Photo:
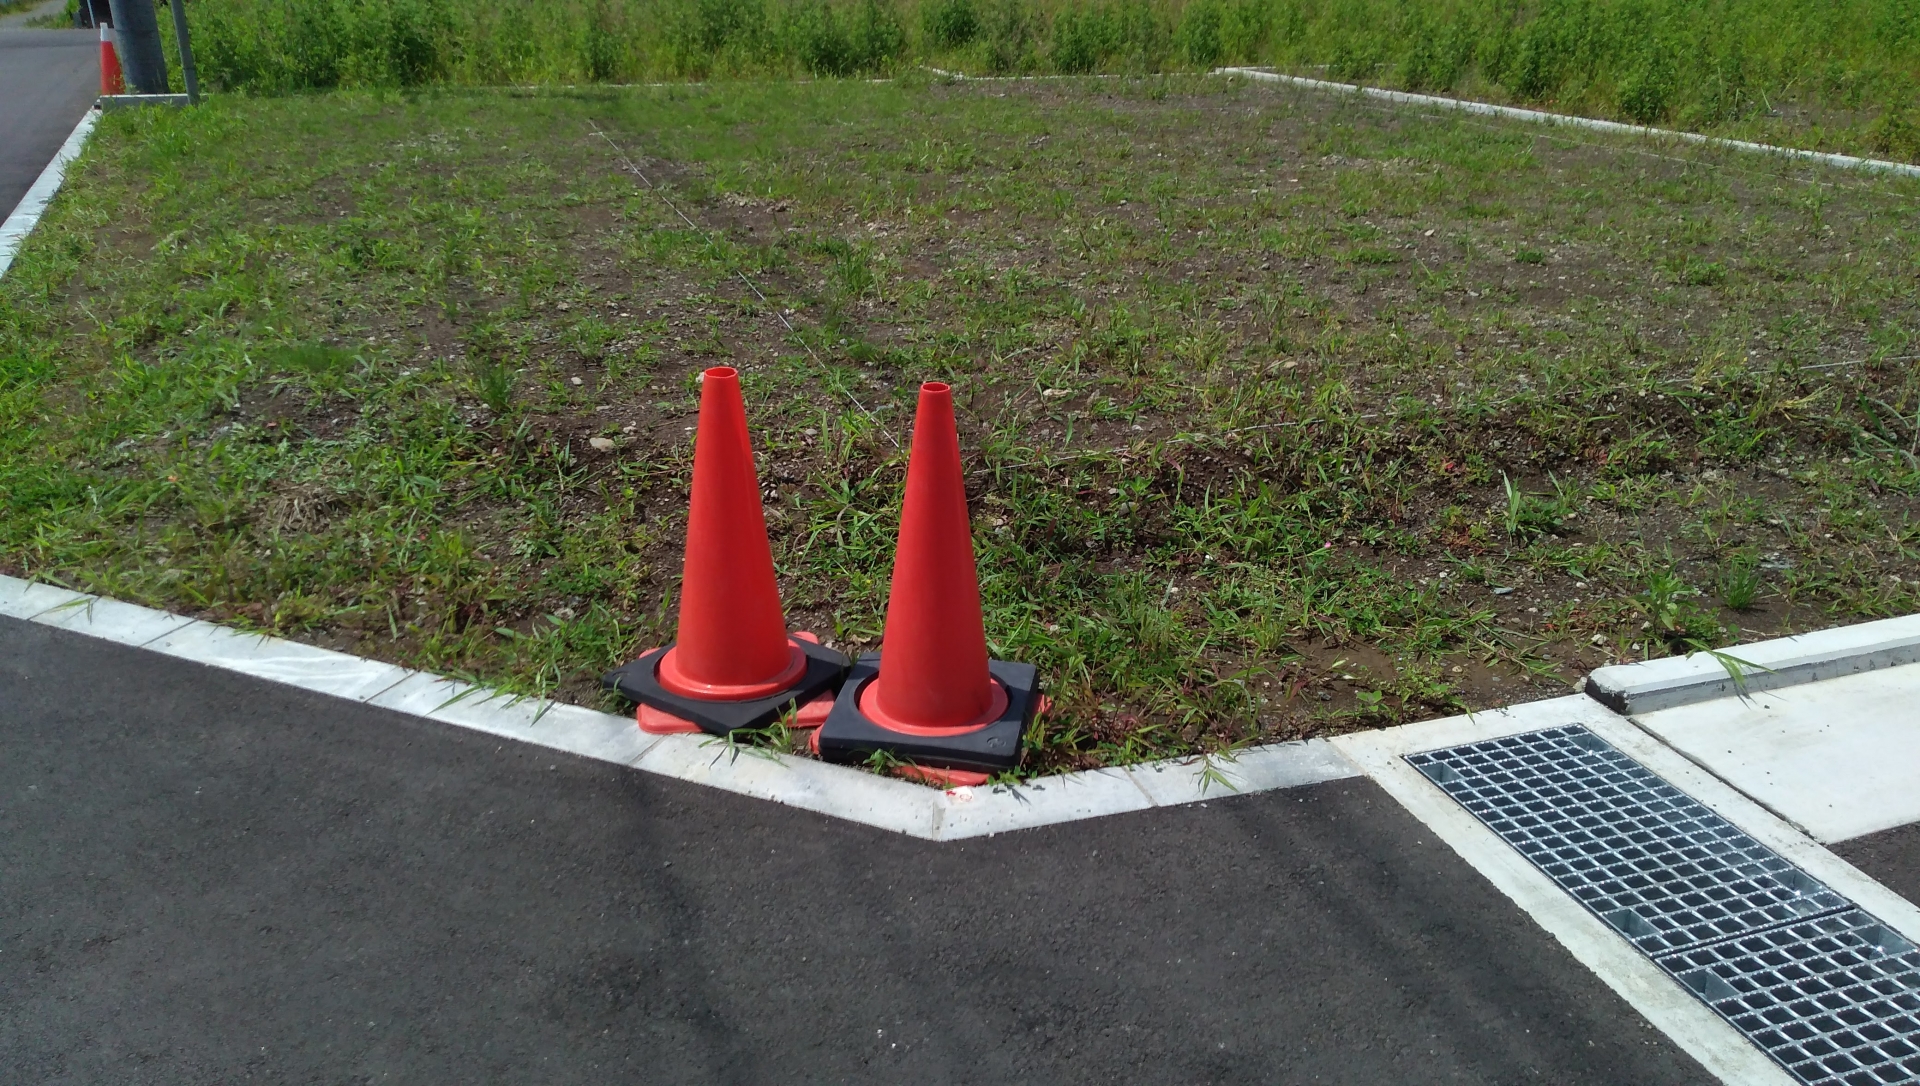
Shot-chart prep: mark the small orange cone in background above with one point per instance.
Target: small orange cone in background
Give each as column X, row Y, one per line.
column 732, row 665
column 931, row 698
column 112, row 81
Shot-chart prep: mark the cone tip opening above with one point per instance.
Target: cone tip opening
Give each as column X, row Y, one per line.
column 935, row 387
column 720, row 372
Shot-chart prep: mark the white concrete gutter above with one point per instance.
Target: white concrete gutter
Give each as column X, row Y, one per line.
column 839, row 791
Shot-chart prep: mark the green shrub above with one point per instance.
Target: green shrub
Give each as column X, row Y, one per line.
column 1646, row 94
column 950, row 24
column 1198, row 35
column 1701, row 63
column 1895, row 135
column 1010, row 34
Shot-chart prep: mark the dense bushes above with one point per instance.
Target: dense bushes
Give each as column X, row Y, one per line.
column 1697, row 62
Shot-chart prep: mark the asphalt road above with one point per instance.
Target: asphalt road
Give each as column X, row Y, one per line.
column 210, row 878
column 48, row 79
column 1892, row 857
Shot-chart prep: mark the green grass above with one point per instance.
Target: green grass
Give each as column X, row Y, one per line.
column 1843, row 75
column 1269, row 431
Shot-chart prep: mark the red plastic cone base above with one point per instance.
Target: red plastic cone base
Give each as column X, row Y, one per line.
column 851, row 737
column 678, row 681
column 933, row 652
column 809, row 714
column 732, row 639
column 660, row 722
column 814, row 713
column 874, row 706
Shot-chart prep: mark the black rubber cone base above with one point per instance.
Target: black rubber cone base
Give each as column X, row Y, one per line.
column 638, row 683
column 850, row 737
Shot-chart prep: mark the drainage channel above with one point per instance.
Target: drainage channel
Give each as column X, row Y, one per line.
column 1824, row 988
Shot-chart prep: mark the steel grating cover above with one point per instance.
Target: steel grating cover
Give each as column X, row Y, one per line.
column 1828, row 991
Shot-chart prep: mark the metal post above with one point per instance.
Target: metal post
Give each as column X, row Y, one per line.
column 186, row 51
column 138, row 33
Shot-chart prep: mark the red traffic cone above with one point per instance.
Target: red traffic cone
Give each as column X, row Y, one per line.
column 931, row 697
column 732, row 665
column 112, row 81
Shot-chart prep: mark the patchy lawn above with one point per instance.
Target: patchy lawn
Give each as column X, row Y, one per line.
column 1286, row 415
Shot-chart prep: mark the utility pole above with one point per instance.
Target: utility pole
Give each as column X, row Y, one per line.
column 138, row 31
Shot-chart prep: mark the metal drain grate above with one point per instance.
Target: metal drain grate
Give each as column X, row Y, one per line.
column 1834, row 999
column 1822, row 987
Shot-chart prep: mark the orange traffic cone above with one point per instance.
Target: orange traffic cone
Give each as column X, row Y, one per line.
column 732, row 665
column 112, row 81
column 931, row 697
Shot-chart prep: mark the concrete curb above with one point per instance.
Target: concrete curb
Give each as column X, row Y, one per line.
column 1513, row 113
column 13, row 232
column 857, row 796
column 1764, row 665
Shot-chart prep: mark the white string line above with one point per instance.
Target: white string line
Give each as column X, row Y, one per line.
column 1615, row 149
column 1849, row 162
column 1454, row 108
column 776, row 310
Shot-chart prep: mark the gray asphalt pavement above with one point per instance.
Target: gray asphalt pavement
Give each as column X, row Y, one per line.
column 209, row 878
column 48, row 79
column 1892, row 857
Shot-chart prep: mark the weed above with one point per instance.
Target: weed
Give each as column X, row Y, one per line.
column 1740, row 584
column 1737, row 669
column 771, row 741
column 493, row 380
column 1527, row 516
column 1667, row 603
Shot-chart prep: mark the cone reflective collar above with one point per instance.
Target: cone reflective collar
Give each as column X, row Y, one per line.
column 931, row 697
column 732, row 665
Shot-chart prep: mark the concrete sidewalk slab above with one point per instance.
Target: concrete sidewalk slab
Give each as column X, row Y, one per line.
column 219, row 878
column 1839, row 758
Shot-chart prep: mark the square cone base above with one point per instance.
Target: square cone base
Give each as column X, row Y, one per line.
column 850, row 737
column 637, row 683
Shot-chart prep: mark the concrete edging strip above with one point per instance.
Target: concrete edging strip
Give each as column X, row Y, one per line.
column 839, row 791
column 13, row 232
column 1764, row 665
column 1514, row 113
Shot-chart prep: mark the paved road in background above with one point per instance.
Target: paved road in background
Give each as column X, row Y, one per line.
column 209, row 878
column 48, row 79
column 1890, row 856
